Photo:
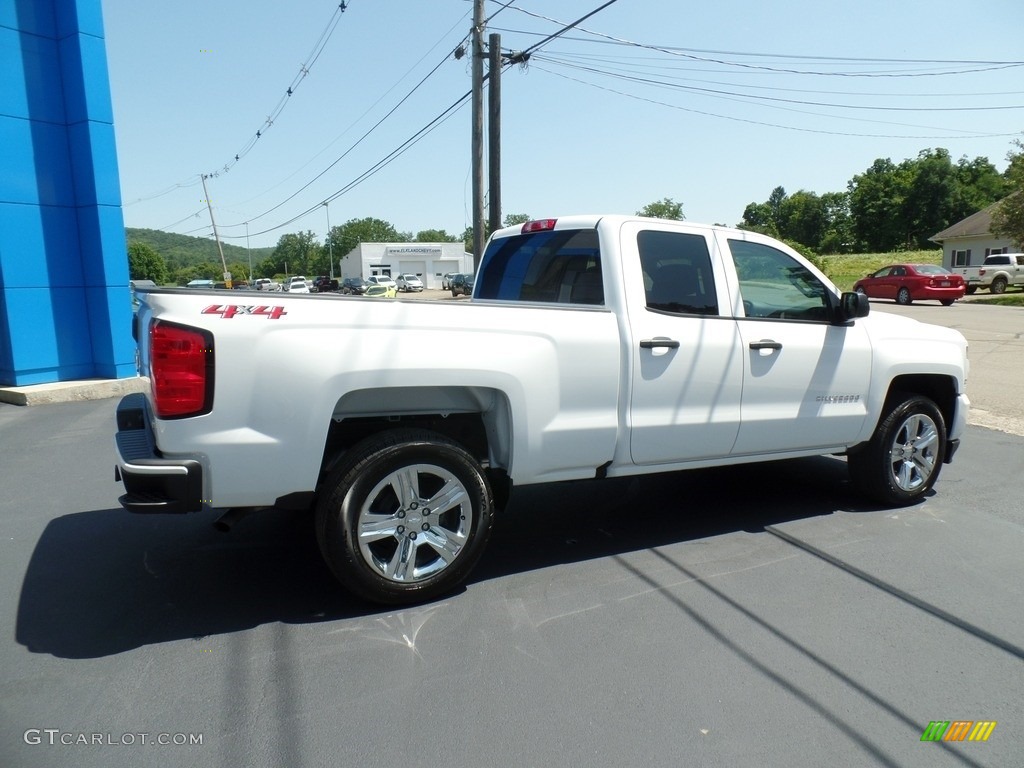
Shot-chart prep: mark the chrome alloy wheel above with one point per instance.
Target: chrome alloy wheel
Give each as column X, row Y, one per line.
column 414, row 522
column 914, row 452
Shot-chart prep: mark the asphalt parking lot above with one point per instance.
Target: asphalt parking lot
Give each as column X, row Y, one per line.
column 759, row 615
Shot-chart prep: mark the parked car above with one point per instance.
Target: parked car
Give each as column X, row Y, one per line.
column 446, row 281
column 408, row 282
column 265, row 284
column 381, row 291
column 206, row 284
column 462, row 284
column 324, row 284
column 297, row 284
column 354, row 285
column 382, row 280
column 905, row 283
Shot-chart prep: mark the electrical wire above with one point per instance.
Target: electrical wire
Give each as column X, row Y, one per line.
column 685, row 53
column 758, row 98
column 768, row 124
column 275, row 113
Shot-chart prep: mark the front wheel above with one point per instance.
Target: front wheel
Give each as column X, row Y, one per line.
column 903, row 297
column 405, row 517
column 902, row 460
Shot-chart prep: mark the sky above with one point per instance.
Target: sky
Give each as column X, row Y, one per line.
column 712, row 105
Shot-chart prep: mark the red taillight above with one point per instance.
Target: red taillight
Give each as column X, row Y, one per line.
column 540, row 225
column 181, row 370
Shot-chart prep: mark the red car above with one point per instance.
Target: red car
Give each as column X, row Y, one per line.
column 908, row 282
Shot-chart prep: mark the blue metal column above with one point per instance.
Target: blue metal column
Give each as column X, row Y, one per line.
column 64, row 305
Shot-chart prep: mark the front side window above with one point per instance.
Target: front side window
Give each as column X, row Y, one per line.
column 677, row 273
column 775, row 285
column 559, row 267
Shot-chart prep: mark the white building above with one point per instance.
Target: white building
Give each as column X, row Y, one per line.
column 428, row 261
column 970, row 241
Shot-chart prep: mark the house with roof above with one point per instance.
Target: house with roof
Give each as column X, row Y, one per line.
column 970, row 240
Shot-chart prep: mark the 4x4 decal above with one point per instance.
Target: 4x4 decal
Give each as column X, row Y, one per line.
column 227, row 311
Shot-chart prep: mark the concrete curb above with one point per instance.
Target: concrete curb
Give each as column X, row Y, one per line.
column 72, row 391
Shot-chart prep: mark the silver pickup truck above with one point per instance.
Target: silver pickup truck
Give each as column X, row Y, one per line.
column 998, row 272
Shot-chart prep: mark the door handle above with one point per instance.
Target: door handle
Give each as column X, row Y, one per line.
column 765, row 344
column 659, row 342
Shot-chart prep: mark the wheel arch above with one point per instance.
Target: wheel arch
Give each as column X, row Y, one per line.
column 477, row 418
column 942, row 390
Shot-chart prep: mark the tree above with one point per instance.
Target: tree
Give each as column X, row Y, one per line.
column 238, row 270
column 838, row 234
column 758, row 217
column 666, row 208
column 203, row 271
column 1008, row 219
column 144, row 263
column 300, row 251
column 513, row 219
column 347, row 236
column 876, row 206
column 801, row 217
column 434, row 236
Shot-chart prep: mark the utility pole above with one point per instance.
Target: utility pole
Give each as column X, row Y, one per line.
column 227, row 275
column 330, row 241
column 247, row 251
column 494, row 129
column 478, row 132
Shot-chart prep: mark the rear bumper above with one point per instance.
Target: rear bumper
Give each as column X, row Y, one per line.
column 939, row 294
column 152, row 483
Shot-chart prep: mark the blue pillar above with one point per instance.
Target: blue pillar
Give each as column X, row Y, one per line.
column 65, row 311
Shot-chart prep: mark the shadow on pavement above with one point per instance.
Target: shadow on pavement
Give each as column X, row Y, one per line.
column 104, row 582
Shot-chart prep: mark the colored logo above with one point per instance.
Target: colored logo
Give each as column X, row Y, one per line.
column 958, row 730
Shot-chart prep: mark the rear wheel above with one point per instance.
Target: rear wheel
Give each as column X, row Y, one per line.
column 971, row 289
column 405, row 517
column 998, row 285
column 902, row 460
column 947, row 302
column 903, row 297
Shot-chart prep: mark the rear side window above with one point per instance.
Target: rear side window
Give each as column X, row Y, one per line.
column 677, row 273
column 557, row 267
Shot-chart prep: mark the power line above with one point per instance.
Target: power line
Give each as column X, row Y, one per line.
column 275, row 113
column 803, row 102
column 376, row 167
column 685, row 53
column 767, row 124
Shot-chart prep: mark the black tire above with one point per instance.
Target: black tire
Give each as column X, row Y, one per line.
column 902, row 460
column 947, row 302
column 998, row 285
column 903, row 296
column 971, row 289
column 400, row 565
column 454, row 294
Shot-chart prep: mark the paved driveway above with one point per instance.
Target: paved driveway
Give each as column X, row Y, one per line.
column 996, row 338
column 760, row 615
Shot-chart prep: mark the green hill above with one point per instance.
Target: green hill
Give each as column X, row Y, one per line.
column 186, row 251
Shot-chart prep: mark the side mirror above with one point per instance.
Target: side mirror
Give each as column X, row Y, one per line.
column 853, row 305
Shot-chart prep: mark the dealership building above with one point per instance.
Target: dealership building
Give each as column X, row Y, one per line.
column 428, row 261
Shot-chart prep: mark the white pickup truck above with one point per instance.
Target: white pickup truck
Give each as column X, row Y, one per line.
column 996, row 273
column 593, row 346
